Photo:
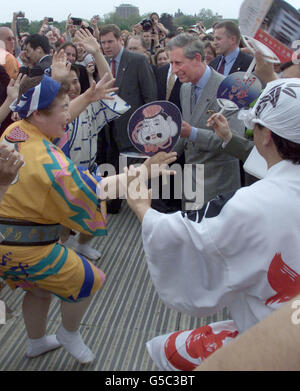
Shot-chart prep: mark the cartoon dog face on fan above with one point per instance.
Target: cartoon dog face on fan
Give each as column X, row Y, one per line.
column 156, row 130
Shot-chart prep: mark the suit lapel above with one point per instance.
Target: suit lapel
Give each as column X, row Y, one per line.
column 122, row 68
column 236, row 67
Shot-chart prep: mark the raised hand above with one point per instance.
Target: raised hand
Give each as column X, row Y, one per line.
column 264, row 69
column 87, row 40
column 90, row 68
column 60, row 68
column 220, row 125
column 14, row 86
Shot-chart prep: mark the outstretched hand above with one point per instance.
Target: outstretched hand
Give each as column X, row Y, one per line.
column 101, row 90
column 158, row 164
column 138, row 195
column 14, row 86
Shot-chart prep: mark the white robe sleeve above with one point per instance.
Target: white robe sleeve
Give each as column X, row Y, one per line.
column 189, row 273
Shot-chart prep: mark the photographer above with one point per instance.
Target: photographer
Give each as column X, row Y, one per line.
column 158, row 27
column 71, row 29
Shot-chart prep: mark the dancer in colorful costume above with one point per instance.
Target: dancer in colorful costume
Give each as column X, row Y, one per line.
column 48, row 192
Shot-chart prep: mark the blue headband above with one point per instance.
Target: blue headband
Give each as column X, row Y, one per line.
column 37, row 98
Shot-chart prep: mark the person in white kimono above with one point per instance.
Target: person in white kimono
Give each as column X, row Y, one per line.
column 241, row 250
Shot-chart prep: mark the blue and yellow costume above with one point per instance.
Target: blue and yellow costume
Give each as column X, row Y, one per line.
column 49, row 191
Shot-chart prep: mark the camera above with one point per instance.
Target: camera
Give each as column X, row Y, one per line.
column 91, row 30
column 21, row 14
column 76, row 21
column 50, row 20
column 147, row 24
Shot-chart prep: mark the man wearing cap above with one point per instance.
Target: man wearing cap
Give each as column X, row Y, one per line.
column 241, row 250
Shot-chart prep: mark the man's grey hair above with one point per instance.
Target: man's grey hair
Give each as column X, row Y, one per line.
column 190, row 44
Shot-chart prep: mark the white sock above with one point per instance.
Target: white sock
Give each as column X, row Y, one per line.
column 74, row 344
column 35, row 347
column 87, row 251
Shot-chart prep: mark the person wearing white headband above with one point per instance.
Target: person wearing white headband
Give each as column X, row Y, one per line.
column 237, row 146
column 241, row 251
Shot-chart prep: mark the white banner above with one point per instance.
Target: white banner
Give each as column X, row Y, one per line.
column 252, row 14
column 275, row 23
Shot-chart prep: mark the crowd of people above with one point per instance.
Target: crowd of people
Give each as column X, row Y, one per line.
column 66, row 99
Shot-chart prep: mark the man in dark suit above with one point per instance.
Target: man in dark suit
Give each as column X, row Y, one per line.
column 37, row 54
column 230, row 58
column 137, row 86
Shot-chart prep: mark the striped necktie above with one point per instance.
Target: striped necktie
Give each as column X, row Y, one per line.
column 222, row 66
column 113, row 67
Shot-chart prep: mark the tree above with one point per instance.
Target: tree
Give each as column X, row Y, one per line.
column 207, row 17
column 123, row 24
column 167, row 21
column 184, row 21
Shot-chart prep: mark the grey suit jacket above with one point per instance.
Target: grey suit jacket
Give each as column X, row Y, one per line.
column 221, row 171
column 137, row 86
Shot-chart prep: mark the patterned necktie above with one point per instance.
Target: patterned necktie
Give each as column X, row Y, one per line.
column 193, row 97
column 113, row 67
column 222, row 66
column 170, row 85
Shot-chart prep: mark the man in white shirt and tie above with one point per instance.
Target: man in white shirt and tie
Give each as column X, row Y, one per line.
column 230, row 58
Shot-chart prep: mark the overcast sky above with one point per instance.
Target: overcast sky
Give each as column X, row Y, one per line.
column 59, row 9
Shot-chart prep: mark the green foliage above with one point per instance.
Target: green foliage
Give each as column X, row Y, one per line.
column 124, row 24
column 168, row 21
